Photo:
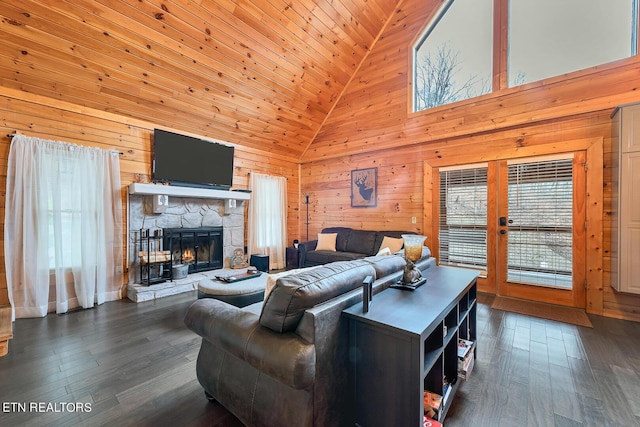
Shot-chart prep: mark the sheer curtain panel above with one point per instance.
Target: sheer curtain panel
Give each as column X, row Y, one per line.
column 63, row 222
column 268, row 218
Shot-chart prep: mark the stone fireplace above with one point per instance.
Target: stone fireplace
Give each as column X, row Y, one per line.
column 193, row 218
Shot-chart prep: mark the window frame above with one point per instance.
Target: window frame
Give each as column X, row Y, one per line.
column 500, row 72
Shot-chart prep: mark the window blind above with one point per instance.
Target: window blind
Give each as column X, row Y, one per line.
column 463, row 217
column 540, row 222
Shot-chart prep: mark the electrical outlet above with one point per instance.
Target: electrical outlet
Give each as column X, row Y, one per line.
column 414, row 220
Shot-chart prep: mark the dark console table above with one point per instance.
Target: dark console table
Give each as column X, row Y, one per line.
column 407, row 343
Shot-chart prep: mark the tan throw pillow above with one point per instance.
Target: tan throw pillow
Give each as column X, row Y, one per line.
column 327, row 242
column 273, row 278
column 393, row 243
column 383, row 251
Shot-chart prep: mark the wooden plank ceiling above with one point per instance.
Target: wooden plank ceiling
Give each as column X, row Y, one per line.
column 260, row 73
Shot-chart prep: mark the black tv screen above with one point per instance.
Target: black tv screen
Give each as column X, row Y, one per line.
column 184, row 160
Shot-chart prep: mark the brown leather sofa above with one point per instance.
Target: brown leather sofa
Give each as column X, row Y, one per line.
column 350, row 245
column 284, row 361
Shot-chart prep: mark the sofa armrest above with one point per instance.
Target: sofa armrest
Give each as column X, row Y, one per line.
column 303, row 248
column 285, row 357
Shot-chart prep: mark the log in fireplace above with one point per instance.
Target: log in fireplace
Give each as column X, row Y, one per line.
column 201, row 248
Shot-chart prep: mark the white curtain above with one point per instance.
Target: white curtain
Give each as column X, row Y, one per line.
column 268, row 218
column 63, row 222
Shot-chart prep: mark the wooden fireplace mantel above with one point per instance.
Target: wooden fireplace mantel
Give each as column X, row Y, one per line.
column 176, row 191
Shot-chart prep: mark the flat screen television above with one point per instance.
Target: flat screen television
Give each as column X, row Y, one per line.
column 187, row 161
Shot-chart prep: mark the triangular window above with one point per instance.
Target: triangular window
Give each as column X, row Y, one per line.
column 453, row 58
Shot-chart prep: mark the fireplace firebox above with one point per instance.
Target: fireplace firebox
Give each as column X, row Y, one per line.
column 201, row 248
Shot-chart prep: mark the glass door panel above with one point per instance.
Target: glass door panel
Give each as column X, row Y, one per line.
column 541, row 207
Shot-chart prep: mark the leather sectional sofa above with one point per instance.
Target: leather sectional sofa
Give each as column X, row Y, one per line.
column 285, row 361
column 350, row 244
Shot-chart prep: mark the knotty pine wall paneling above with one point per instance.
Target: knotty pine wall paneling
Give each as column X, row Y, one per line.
column 372, row 122
column 399, row 193
column 50, row 119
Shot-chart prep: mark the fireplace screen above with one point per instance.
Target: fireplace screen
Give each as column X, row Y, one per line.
column 200, row 248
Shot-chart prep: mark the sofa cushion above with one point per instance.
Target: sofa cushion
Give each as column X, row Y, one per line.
column 343, row 236
column 325, row 257
column 292, row 295
column 362, row 241
column 385, row 264
column 326, row 242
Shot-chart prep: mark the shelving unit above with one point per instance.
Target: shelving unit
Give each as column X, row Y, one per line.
column 155, row 263
column 407, row 343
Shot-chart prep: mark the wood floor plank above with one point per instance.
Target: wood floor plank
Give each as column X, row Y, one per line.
column 135, row 365
column 629, row 383
column 583, row 379
column 540, row 405
column 565, row 400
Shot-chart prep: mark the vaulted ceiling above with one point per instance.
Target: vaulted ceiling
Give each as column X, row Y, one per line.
column 261, row 73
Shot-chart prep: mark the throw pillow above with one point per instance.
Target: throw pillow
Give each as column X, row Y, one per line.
column 393, row 243
column 273, row 278
column 327, row 242
column 383, row 251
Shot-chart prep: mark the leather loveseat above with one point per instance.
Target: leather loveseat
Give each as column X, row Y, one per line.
column 350, row 244
column 285, row 361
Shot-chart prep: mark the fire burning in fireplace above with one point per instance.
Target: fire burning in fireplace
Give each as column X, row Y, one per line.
column 187, row 256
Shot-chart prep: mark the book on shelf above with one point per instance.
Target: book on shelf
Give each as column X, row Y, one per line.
column 466, row 358
column 466, row 369
column 432, row 404
column 464, row 347
column 430, row 422
column 446, row 390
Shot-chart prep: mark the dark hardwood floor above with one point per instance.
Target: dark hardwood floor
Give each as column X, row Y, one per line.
column 135, row 365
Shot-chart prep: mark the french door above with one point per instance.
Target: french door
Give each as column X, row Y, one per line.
column 521, row 223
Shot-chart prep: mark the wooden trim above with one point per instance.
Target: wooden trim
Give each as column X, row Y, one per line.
column 579, row 245
column 594, row 232
column 500, row 45
column 428, row 219
column 435, row 209
column 493, row 212
column 6, row 329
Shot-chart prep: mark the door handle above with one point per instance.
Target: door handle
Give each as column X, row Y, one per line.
column 503, row 231
column 503, row 221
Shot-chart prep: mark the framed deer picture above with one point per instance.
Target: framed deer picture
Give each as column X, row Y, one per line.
column 364, row 188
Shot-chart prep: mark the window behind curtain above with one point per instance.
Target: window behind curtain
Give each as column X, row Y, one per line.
column 268, row 218
column 64, row 211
